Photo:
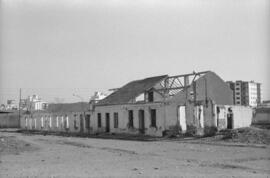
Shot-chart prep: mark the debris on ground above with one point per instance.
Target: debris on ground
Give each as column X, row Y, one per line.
column 248, row 135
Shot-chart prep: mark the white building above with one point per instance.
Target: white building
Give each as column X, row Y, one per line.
column 96, row 98
column 11, row 105
column 36, row 103
column 247, row 93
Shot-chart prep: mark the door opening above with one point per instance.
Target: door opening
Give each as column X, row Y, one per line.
column 230, row 119
column 182, row 118
column 107, row 122
column 141, row 121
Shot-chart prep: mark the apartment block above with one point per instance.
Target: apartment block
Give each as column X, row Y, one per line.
column 246, row 93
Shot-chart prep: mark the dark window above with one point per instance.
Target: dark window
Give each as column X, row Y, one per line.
column 151, row 96
column 238, row 102
column 87, row 121
column 115, row 116
column 107, row 122
column 238, row 98
column 99, row 119
column 130, row 118
column 153, row 118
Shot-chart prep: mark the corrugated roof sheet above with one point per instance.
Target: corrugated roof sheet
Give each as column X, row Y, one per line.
column 131, row 90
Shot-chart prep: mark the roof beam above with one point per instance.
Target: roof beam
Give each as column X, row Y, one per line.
column 171, row 88
column 190, row 74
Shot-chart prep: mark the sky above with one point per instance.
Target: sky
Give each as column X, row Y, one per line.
column 60, row 48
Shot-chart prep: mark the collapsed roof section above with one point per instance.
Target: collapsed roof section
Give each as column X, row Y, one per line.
column 166, row 86
column 174, row 84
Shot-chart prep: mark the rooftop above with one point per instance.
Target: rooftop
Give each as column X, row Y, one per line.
column 131, row 90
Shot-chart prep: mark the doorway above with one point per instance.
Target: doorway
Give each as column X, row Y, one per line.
column 107, row 122
column 141, row 122
column 230, row 119
column 182, row 118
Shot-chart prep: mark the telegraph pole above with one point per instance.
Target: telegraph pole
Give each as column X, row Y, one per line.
column 20, row 106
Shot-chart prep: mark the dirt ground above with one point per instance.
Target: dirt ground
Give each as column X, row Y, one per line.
column 26, row 155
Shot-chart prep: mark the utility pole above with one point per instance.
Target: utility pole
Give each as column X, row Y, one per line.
column 20, row 107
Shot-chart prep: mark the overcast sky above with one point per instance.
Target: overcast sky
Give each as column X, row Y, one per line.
column 57, row 48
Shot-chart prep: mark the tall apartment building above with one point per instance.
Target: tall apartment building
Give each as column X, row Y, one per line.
column 247, row 93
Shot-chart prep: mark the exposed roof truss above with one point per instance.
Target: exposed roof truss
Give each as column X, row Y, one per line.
column 174, row 84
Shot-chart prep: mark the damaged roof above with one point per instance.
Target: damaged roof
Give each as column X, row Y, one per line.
column 131, row 90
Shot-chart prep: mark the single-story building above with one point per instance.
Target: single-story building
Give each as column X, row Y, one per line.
column 156, row 105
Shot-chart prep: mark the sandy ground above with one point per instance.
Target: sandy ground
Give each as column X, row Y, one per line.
column 25, row 155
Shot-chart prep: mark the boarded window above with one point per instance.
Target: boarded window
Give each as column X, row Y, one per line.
column 115, row 116
column 75, row 122
column 153, row 118
column 66, row 122
column 62, row 122
column 99, row 119
column 130, row 118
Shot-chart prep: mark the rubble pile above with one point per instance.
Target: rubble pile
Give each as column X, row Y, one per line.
column 251, row 135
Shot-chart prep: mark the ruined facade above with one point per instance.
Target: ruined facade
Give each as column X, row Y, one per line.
column 156, row 105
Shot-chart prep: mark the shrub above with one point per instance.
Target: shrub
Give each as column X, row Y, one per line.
column 191, row 130
column 210, row 131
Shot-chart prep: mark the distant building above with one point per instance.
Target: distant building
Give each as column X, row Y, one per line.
column 246, row 93
column 23, row 104
column 11, row 105
column 2, row 107
column 96, row 98
column 35, row 103
column 265, row 104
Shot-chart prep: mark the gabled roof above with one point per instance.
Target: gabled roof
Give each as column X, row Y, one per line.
column 131, row 90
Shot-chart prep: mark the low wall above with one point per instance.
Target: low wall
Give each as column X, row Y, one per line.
column 56, row 122
column 9, row 120
column 242, row 116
